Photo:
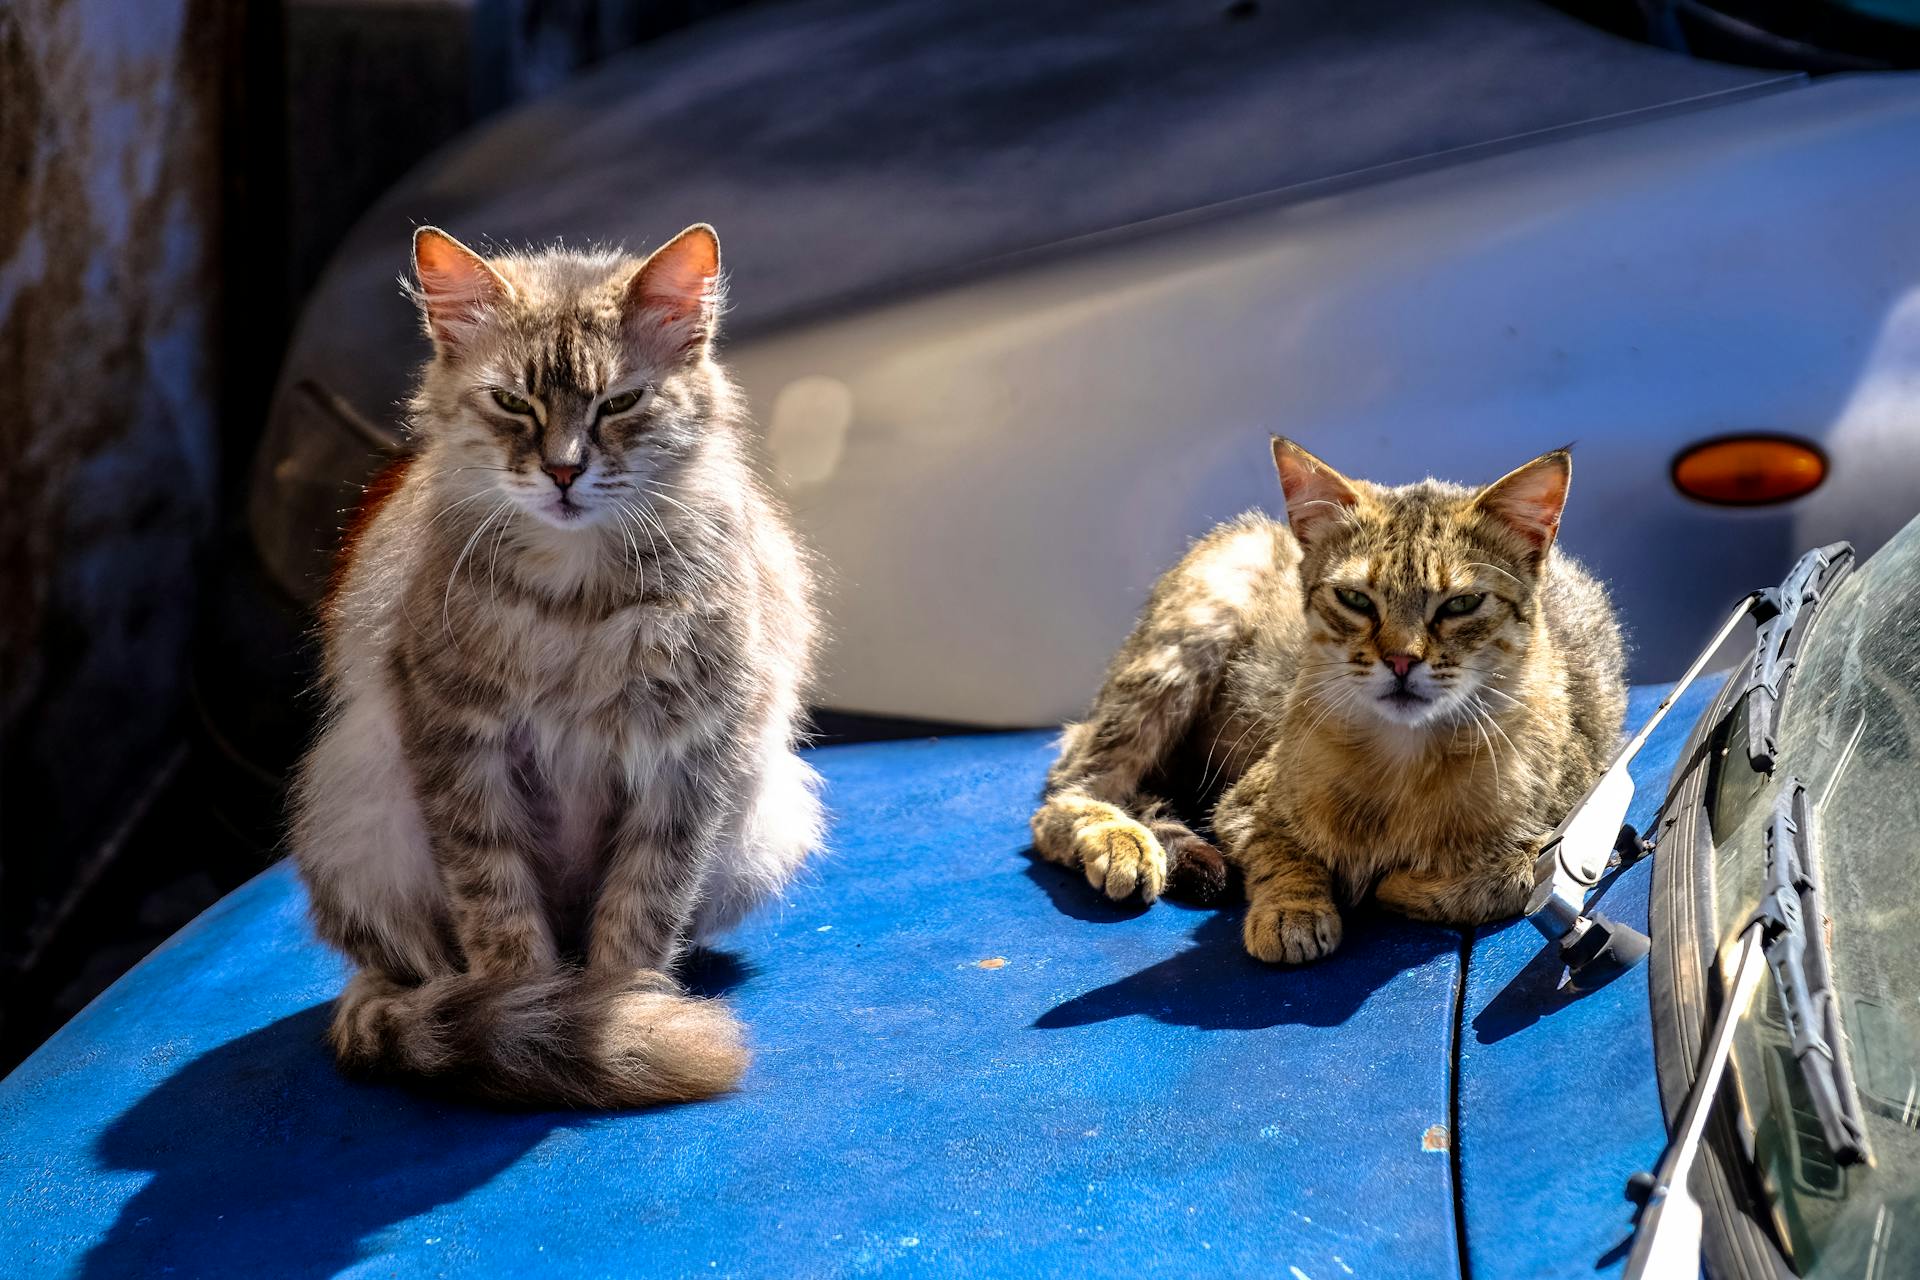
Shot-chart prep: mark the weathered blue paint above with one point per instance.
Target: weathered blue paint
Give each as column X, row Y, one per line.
column 1558, row 1102
column 1127, row 1095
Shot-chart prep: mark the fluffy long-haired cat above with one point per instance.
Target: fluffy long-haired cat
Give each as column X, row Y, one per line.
column 1404, row 691
column 564, row 658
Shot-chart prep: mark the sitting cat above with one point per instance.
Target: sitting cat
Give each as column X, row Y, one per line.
column 565, row 652
column 1404, row 690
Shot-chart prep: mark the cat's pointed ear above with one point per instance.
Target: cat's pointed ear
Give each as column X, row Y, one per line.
column 1528, row 500
column 457, row 287
column 673, row 300
column 1316, row 493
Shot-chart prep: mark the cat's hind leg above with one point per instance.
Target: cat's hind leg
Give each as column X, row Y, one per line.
column 1142, row 847
column 777, row 831
column 1159, row 689
column 1117, row 854
column 362, row 845
column 1196, row 870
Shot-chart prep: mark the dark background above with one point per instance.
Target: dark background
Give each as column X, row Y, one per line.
column 173, row 177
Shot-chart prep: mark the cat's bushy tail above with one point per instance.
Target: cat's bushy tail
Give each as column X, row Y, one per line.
column 569, row 1041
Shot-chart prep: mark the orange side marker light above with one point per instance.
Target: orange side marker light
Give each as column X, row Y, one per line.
column 1749, row 470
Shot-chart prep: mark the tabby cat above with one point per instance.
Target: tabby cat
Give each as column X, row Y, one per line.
column 1403, row 690
column 564, row 659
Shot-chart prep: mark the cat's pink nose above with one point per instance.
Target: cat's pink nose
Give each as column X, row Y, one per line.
column 562, row 475
column 1400, row 662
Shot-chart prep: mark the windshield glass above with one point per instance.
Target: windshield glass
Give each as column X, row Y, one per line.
column 1850, row 731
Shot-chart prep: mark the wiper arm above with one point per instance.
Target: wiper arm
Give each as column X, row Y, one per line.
column 1776, row 937
column 1576, row 855
column 1666, row 1243
column 1793, row 924
column 1579, row 851
column 1785, row 614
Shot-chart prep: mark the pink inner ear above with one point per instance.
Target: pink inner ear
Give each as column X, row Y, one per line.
column 675, row 286
column 1314, row 493
column 455, row 282
column 1530, row 501
column 678, row 286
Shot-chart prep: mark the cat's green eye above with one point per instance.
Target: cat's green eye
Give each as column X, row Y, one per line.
column 1460, row 606
column 1354, row 600
column 625, row 402
column 511, row 402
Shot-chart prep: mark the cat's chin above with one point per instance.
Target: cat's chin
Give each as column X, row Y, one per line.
column 1408, row 710
column 559, row 513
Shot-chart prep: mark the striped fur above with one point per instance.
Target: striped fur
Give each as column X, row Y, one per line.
column 1261, row 678
column 565, row 657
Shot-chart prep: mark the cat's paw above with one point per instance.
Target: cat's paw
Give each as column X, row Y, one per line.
column 1196, row 871
column 1121, row 858
column 1293, row 934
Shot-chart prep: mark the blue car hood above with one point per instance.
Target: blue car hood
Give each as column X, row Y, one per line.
column 966, row 1065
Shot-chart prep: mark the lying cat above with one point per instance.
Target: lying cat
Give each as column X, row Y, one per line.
column 565, row 651
column 1404, row 690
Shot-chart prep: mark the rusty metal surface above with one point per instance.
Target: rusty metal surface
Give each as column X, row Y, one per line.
column 109, row 238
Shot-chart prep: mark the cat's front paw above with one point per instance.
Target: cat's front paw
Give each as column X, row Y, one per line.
column 1121, row 858
column 1291, row 934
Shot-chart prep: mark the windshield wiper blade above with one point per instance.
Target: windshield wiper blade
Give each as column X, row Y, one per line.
column 1793, row 921
column 1578, row 852
column 1785, row 614
column 1776, row 938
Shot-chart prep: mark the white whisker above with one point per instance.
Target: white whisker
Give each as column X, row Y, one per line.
column 1493, row 757
column 493, row 557
column 1481, row 564
column 446, row 602
column 453, row 506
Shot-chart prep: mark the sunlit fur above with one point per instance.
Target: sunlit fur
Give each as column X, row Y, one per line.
column 1433, row 792
column 566, row 340
column 561, row 719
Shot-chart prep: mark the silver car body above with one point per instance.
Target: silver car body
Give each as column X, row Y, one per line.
column 994, row 453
